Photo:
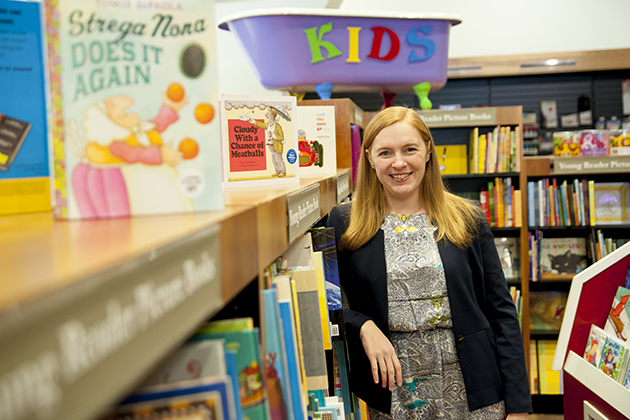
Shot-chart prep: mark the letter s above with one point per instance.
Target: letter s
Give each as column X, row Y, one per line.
column 414, row 39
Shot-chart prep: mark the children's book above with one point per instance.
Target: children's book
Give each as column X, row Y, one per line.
column 134, row 94
column 618, row 321
column 208, row 398
column 562, row 258
column 548, row 379
column 318, row 261
column 317, row 145
column 509, row 253
column 24, row 156
column 546, row 310
column 246, row 345
column 595, row 344
column 259, row 140
column 611, row 201
column 227, row 325
column 192, row 360
column 453, row 159
column 614, row 357
column 276, row 369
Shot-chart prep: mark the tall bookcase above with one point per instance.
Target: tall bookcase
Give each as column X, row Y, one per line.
column 88, row 308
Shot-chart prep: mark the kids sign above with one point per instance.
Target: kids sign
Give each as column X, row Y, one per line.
column 354, row 52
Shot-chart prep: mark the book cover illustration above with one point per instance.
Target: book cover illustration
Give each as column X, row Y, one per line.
column 509, row 254
column 453, row 159
column 316, row 140
column 562, row 258
column 209, row 398
column 594, row 346
column 24, row 155
column 613, row 357
column 625, row 382
column 546, row 309
column 611, row 202
column 134, row 92
column 259, row 140
column 594, row 142
column 618, row 320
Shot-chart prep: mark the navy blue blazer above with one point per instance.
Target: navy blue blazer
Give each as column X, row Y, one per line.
column 487, row 334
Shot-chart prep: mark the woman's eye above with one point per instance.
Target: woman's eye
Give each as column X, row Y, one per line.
column 383, row 153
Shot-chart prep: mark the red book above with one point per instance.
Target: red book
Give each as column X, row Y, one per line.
column 484, row 199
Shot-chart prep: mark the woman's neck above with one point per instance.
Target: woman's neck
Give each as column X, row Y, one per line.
column 414, row 207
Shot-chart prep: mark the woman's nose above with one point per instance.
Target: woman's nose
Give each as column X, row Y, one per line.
column 399, row 161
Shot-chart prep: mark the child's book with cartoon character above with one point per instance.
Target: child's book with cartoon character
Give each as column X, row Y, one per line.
column 562, row 258
column 316, row 140
column 134, row 94
column 595, row 344
column 614, row 358
column 618, row 321
column 24, row 157
column 259, row 140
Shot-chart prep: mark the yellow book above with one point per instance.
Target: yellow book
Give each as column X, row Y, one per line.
column 499, row 202
column 482, row 154
column 298, row 332
column 518, row 214
column 318, row 260
column 473, row 151
column 591, row 201
column 453, row 159
column 533, row 368
column 501, row 151
column 548, row 379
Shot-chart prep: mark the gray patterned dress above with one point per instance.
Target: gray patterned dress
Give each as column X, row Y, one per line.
column 421, row 328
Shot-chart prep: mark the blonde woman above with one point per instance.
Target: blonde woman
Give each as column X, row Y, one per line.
column 431, row 328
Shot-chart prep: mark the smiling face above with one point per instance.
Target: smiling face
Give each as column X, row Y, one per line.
column 399, row 156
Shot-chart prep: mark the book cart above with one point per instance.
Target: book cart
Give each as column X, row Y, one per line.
column 588, row 392
column 88, row 308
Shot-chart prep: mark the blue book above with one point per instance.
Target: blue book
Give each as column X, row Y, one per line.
column 276, row 370
column 232, row 371
column 531, row 216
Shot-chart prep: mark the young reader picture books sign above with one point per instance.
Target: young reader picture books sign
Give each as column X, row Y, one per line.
column 134, row 95
column 259, row 140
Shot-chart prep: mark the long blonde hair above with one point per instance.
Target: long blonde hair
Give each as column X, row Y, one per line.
column 456, row 218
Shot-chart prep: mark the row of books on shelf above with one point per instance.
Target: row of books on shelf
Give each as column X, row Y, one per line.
column 542, row 379
column 294, row 367
column 563, row 258
column 501, row 203
column 608, row 348
column 576, row 203
column 496, row 151
column 591, row 143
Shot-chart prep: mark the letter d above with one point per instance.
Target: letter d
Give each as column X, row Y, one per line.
column 78, row 55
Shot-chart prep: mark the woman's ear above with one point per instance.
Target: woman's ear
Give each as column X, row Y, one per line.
column 367, row 155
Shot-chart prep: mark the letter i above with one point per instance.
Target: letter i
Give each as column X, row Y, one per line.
column 353, row 44
column 144, row 53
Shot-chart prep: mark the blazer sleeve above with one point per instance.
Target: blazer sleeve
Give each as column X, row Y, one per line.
column 501, row 314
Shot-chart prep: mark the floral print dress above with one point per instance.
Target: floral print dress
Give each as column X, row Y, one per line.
column 421, row 328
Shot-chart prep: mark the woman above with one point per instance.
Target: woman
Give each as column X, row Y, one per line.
column 432, row 330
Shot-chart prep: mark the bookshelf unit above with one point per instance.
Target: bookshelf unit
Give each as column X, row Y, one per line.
column 543, row 167
column 142, row 284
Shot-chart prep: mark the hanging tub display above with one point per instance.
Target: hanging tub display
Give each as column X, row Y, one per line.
column 302, row 50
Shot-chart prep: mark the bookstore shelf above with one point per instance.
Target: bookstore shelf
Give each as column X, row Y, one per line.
column 87, row 308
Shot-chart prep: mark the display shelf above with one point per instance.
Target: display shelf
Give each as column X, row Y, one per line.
column 87, row 308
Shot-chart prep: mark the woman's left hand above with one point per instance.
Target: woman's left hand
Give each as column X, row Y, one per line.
column 517, row 416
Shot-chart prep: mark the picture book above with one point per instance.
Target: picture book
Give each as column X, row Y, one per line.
column 276, row 369
column 259, row 140
column 208, row 398
column 473, row 151
column 614, row 357
column 246, row 345
column 295, row 375
column 625, row 382
column 317, row 145
column 192, row 360
column 24, row 156
column 618, row 320
column 549, row 380
column 453, row 159
column 595, row 344
column 318, row 261
column 533, row 370
column 611, row 202
column 594, row 142
column 508, row 249
column 562, row 258
column 227, row 325
column 134, row 94
column 546, row 309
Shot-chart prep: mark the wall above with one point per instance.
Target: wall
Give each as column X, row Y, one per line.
column 489, row 27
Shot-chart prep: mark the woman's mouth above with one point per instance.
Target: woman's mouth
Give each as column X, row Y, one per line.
column 400, row 176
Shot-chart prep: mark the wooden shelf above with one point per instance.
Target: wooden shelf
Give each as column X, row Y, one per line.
column 536, row 64
column 87, row 308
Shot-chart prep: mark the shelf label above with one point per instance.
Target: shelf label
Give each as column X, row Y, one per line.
column 99, row 335
column 459, row 117
column 601, row 164
column 343, row 186
column 302, row 210
column 358, row 116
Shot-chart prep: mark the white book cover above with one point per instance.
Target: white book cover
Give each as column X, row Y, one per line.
column 316, row 140
column 259, row 140
column 134, row 94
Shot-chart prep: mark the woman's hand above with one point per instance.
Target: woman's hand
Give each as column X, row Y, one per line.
column 517, row 416
column 382, row 355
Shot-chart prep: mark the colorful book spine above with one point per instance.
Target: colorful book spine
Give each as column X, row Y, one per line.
column 591, row 200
